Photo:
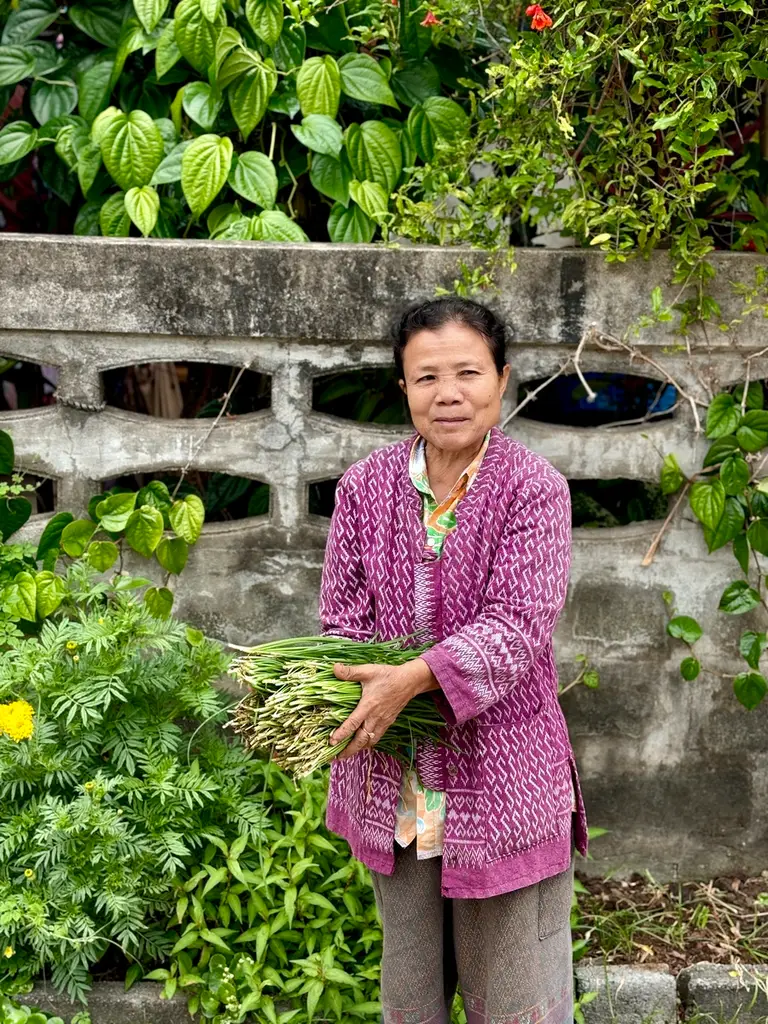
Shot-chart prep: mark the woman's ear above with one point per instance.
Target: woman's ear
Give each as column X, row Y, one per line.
column 402, row 386
column 504, row 379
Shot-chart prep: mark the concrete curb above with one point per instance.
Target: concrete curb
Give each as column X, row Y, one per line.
column 723, row 993
column 630, row 995
column 109, row 1003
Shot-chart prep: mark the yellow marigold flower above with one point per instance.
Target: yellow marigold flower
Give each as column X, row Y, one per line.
column 16, row 720
column 101, row 622
column 29, row 873
column 89, row 786
column 75, row 657
column 71, row 645
column 8, row 952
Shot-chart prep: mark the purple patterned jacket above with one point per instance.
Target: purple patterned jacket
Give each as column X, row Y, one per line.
column 490, row 603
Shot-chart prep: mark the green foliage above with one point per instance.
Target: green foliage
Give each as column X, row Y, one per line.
column 288, row 920
column 729, row 496
column 633, row 126
column 123, row 781
column 12, row 1013
column 150, row 114
column 136, row 519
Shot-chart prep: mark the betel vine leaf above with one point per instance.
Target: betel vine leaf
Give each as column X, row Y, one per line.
column 729, row 497
column 162, row 117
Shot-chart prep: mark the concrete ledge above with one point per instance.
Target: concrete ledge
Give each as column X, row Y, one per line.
column 727, row 992
column 724, row 993
column 627, row 995
column 109, row 1003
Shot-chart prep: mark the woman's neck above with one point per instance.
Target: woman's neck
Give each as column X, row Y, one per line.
column 444, row 467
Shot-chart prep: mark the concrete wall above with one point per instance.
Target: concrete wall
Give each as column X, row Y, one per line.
column 677, row 771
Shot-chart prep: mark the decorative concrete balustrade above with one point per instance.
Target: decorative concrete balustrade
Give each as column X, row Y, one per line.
column 677, row 771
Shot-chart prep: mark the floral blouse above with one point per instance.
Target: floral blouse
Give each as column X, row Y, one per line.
column 421, row 811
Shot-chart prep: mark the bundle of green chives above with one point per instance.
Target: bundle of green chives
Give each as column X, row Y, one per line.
column 295, row 701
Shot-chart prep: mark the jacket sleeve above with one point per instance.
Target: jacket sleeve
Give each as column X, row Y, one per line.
column 346, row 603
column 482, row 661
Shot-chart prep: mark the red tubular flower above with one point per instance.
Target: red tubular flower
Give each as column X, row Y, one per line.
column 430, row 19
column 539, row 17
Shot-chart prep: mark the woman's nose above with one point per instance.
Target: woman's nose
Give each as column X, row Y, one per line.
column 448, row 389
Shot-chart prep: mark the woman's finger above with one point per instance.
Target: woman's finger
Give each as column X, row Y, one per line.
column 348, row 727
column 358, row 673
column 362, row 740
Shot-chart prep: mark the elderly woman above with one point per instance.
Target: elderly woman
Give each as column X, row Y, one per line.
column 462, row 534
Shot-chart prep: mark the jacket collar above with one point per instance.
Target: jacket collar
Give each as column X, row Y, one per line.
column 481, row 486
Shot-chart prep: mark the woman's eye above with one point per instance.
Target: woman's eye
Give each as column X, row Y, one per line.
column 425, row 379
column 465, row 372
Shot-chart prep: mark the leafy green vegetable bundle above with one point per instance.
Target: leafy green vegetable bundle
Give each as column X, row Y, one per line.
column 295, row 701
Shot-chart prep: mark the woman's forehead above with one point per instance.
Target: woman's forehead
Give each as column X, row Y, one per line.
column 451, row 345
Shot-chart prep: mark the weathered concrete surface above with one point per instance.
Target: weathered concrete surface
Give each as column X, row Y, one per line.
column 627, row 995
column 109, row 1003
column 678, row 772
column 731, row 993
column 321, row 291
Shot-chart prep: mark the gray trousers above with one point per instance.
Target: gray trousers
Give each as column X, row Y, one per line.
column 511, row 954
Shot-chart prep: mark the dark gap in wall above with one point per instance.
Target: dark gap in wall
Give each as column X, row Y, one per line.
column 620, row 396
column 225, row 497
column 26, row 385
column 371, row 395
column 322, row 495
column 617, row 502
column 185, row 390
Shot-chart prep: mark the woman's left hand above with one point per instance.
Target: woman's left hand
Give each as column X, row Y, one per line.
column 386, row 691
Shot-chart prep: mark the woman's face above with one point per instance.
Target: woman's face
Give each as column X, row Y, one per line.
column 452, row 386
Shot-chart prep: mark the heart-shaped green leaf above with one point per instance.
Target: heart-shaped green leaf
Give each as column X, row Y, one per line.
column 50, row 538
column 132, row 147
column 436, row 119
column 14, row 512
column 202, row 103
column 113, row 217
column 319, row 133
column 144, row 530
column 19, row 599
column 143, row 205
column 102, row 554
column 374, row 153
column 76, row 535
column 16, row 140
column 750, row 688
column 149, row 12
column 254, row 177
column 16, row 64
column 115, row 511
column 50, row 591
column 172, row 554
column 318, row 86
column 159, row 601
column 187, row 516
column 205, row 165
column 349, row 225
column 275, row 226
column 28, row 20
column 364, row 78
column 249, row 96
column 265, row 18
column 332, row 177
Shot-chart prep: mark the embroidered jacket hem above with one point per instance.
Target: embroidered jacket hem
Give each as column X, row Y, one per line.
column 515, row 871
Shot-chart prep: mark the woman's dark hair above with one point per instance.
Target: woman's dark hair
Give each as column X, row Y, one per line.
column 436, row 313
